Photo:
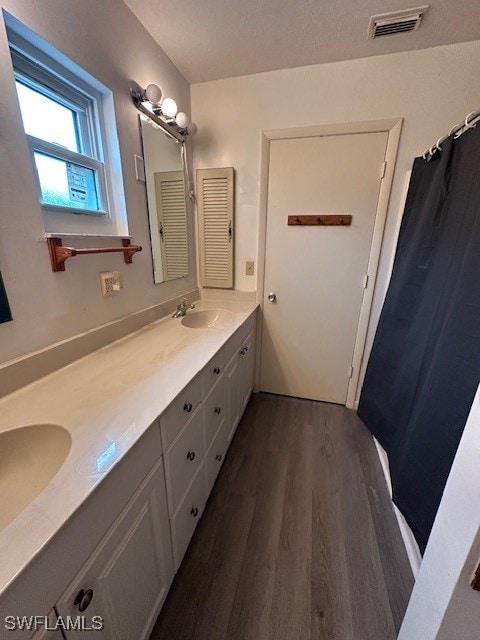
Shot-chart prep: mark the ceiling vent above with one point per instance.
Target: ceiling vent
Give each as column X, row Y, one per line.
column 388, row 24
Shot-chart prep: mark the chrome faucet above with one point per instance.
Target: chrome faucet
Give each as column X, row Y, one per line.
column 182, row 308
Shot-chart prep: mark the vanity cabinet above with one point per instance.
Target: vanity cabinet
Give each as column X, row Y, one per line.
column 49, row 632
column 247, row 370
column 240, row 374
column 113, row 561
column 195, row 440
column 126, row 579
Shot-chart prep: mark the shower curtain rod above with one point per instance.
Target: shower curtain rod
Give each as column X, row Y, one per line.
column 470, row 122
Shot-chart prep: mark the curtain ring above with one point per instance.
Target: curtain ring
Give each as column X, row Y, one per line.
column 467, row 124
column 431, row 151
column 437, row 144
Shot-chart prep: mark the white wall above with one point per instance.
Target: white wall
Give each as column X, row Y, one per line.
column 443, row 606
column 106, row 39
column 431, row 89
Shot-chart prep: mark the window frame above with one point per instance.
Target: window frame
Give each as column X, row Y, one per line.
column 34, row 69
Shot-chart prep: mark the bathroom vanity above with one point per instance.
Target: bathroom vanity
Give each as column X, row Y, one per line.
column 150, row 418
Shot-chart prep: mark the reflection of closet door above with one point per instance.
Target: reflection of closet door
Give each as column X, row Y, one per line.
column 172, row 223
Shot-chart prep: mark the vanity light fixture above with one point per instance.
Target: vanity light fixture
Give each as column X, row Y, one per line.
column 162, row 112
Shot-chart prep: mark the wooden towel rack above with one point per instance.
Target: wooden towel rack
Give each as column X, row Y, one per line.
column 59, row 254
column 320, row 220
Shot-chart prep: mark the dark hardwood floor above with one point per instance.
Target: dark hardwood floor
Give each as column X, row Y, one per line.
column 298, row 540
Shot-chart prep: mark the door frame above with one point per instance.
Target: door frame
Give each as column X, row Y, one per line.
column 392, row 126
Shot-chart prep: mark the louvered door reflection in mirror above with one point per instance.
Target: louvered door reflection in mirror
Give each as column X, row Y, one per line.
column 215, row 204
column 167, row 209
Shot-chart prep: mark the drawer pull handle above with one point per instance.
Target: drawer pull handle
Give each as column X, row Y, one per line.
column 218, row 409
column 194, row 512
column 83, row 599
column 191, row 455
column 216, row 370
column 218, row 457
column 188, row 406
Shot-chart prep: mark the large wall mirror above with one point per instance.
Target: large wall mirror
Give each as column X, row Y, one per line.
column 167, row 207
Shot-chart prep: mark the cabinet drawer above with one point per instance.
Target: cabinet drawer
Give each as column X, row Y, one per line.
column 215, row 457
column 235, row 343
column 215, row 411
column 212, row 372
column 183, row 459
column 189, row 513
column 180, row 411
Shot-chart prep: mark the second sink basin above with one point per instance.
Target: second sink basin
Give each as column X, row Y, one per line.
column 29, row 459
column 207, row 319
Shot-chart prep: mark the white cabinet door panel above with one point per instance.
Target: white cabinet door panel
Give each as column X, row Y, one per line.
column 233, row 396
column 215, row 457
column 184, row 458
column 189, row 513
column 130, row 572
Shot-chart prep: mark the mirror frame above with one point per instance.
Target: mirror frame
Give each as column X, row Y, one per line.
column 153, row 214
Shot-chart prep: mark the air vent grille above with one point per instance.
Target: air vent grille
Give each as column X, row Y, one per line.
column 388, row 24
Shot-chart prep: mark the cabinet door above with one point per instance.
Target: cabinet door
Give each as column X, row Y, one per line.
column 233, row 395
column 215, row 457
column 126, row 580
column 48, row 629
column 187, row 516
column 247, row 371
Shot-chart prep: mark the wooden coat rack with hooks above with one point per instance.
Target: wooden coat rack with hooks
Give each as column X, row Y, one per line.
column 342, row 220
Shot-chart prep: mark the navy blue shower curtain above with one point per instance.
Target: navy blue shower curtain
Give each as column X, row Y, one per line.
column 5, row 315
column 424, row 367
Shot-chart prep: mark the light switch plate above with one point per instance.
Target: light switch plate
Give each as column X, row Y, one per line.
column 110, row 283
column 249, row 268
column 139, row 168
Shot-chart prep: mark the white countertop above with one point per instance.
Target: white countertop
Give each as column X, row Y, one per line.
column 110, row 396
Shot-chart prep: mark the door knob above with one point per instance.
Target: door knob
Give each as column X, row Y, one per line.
column 272, row 296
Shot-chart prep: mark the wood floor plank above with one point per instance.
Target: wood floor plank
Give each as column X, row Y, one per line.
column 298, row 540
column 331, row 606
column 290, row 613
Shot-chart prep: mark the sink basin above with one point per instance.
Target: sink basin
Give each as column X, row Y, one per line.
column 207, row 319
column 29, row 459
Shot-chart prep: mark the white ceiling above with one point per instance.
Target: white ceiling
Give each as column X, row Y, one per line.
column 211, row 39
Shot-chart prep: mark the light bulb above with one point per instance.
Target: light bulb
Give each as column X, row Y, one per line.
column 192, row 129
column 153, row 93
column 169, row 107
column 182, row 120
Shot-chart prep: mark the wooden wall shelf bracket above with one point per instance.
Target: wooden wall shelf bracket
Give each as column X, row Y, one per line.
column 341, row 220
column 59, row 254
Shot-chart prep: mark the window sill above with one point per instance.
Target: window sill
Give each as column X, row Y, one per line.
column 61, row 234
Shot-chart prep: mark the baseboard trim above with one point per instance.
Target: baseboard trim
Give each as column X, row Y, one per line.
column 409, row 541
column 22, row 371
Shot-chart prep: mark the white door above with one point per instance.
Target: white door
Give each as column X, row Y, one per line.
column 317, row 273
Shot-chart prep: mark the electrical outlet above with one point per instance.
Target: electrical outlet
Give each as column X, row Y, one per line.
column 249, row 268
column 110, row 283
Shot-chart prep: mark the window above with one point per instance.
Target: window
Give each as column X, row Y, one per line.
column 59, row 121
column 69, row 121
